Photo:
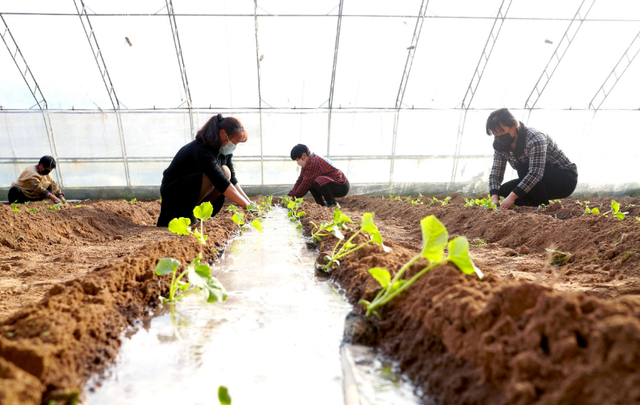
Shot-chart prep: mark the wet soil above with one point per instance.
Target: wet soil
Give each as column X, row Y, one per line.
column 556, row 319
column 71, row 280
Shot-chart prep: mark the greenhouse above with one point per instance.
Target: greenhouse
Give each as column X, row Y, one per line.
column 379, row 250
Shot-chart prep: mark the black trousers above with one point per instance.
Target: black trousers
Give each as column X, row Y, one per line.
column 555, row 183
column 17, row 196
column 326, row 195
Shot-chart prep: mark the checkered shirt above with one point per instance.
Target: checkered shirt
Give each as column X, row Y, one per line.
column 320, row 170
column 539, row 150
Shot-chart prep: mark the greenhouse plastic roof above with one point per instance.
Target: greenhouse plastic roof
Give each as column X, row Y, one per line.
column 394, row 92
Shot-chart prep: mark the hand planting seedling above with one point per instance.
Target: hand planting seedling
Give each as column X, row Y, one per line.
column 484, row 203
column 366, row 226
column 615, row 210
column 200, row 278
column 182, row 226
column 434, row 241
column 331, row 228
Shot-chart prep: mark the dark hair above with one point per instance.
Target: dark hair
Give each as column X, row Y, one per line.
column 209, row 134
column 47, row 161
column 502, row 116
column 298, row 150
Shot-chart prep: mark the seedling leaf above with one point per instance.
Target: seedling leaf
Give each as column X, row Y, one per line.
column 377, row 238
column 223, row 395
column 256, row 224
column 459, row 255
column 203, row 211
column 434, row 238
column 367, row 224
column 166, row 266
column 203, row 270
column 335, row 231
column 381, row 275
column 214, row 291
column 180, row 226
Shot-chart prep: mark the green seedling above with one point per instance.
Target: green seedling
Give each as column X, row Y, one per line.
column 294, row 213
column 182, row 226
column 78, row 206
column 346, row 247
column 55, row 207
column 587, row 209
column 416, row 202
column 434, row 241
column 559, row 258
column 238, row 218
column 14, row 207
column 223, row 395
column 478, row 243
column 441, row 202
column 267, row 203
column 200, row 279
column 335, row 227
column 615, row 210
column 133, row 200
column 481, row 202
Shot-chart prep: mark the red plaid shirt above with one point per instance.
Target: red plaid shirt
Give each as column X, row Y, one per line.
column 317, row 170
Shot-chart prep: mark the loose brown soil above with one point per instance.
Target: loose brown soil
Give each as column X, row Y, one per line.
column 530, row 332
column 71, row 280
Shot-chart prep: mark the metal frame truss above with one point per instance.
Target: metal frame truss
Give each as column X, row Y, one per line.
column 333, row 76
column 106, row 79
column 181, row 65
column 477, row 77
column 616, row 74
column 34, row 89
column 255, row 18
column 405, row 80
column 558, row 54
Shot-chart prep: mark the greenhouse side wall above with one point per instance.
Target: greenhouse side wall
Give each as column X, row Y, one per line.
column 437, row 152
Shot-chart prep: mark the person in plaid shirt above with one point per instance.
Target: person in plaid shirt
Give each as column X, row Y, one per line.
column 544, row 171
column 318, row 175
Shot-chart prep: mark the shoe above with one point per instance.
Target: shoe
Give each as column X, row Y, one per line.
column 333, row 206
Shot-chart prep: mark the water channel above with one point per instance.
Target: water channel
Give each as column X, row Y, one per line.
column 275, row 340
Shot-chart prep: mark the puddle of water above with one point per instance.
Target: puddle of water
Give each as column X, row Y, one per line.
column 275, row 340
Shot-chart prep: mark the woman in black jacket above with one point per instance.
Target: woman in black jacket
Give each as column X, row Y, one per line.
column 202, row 170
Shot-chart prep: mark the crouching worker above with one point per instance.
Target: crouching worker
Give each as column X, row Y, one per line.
column 544, row 171
column 318, row 175
column 35, row 184
column 202, row 170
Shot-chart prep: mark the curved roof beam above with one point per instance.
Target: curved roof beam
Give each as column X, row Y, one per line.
column 181, row 65
column 616, row 74
column 255, row 18
column 106, row 79
column 405, row 80
column 333, row 75
column 477, row 77
column 34, row 89
column 558, row 54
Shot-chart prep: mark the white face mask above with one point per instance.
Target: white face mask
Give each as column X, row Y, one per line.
column 228, row 148
column 301, row 162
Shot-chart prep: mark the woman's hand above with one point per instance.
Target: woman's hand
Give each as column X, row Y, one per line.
column 495, row 199
column 508, row 202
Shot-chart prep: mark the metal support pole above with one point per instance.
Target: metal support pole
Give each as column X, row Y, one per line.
column 477, row 77
column 616, row 74
column 405, row 80
column 558, row 54
column 333, row 76
column 181, row 65
column 34, row 89
column 255, row 17
column 106, row 79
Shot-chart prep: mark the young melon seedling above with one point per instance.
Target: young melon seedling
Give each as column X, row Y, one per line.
column 238, row 218
column 331, row 228
column 199, row 278
column 366, row 226
column 294, row 213
column 615, row 210
column 14, row 207
column 182, row 226
column 434, row 241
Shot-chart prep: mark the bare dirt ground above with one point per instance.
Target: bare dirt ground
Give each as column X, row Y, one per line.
column 71, row 280
column 530, row 332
